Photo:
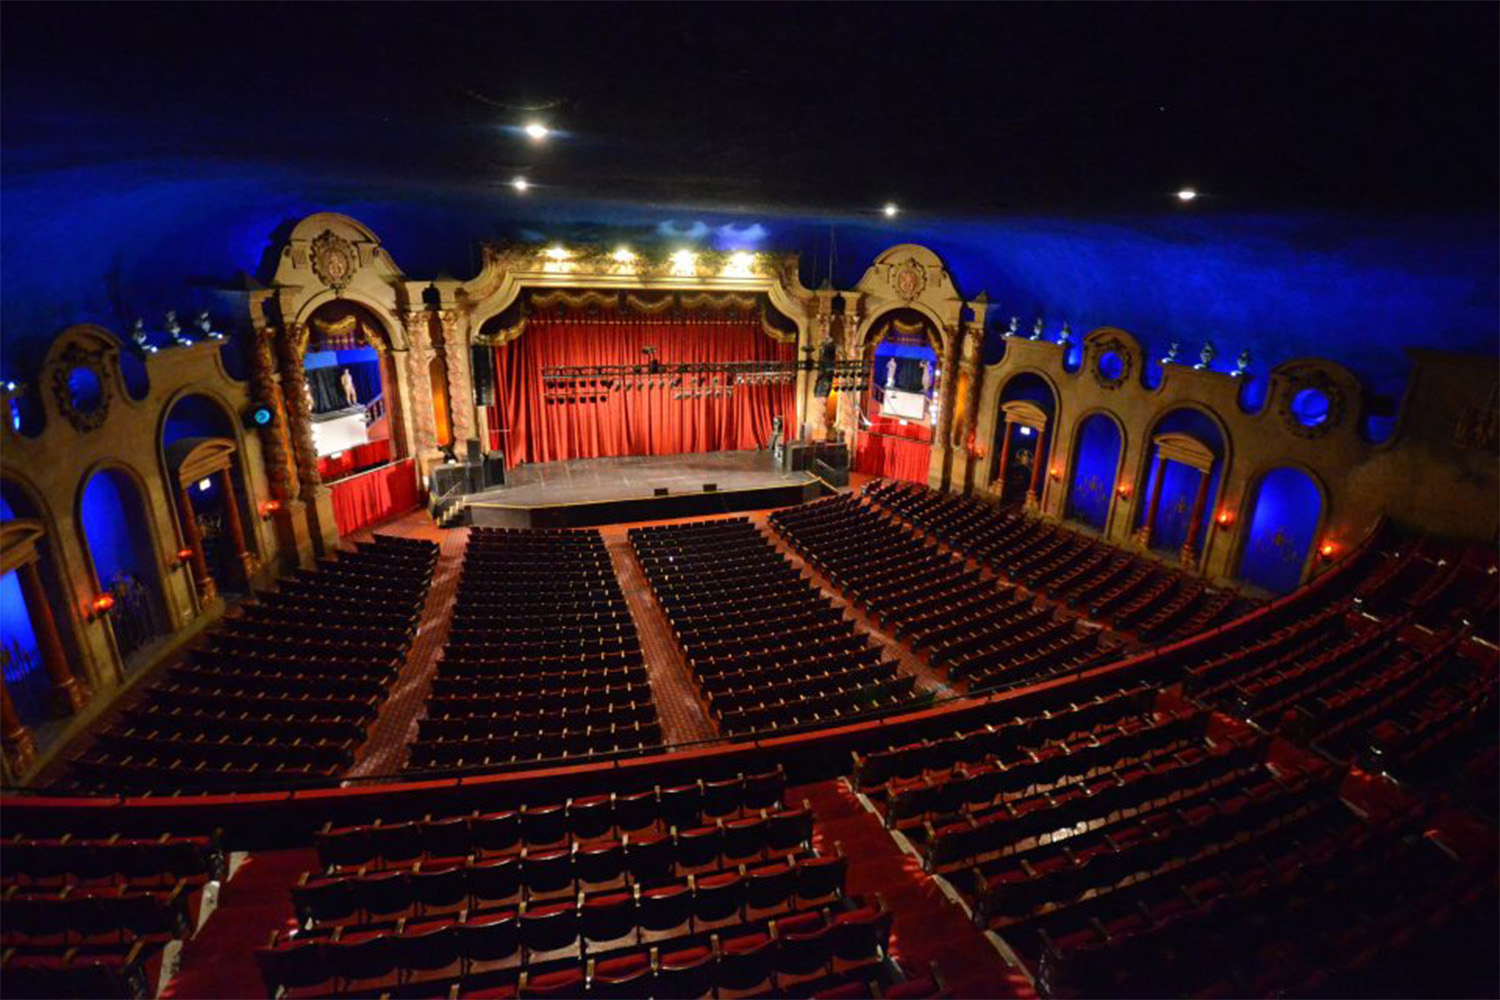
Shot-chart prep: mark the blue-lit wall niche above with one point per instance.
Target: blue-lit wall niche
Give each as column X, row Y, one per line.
column 1180, row 482
column 1096, row 462
column 25, row 678
column 1027, row 446
column 198, row 416
column 117, row 536
column 1288, row 510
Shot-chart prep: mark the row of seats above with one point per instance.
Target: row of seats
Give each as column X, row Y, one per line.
column 521, row 681
column 798, row 664
column 58, row 861
column 319, row 684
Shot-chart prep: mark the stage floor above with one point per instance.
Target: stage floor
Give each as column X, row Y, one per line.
column 597, row 491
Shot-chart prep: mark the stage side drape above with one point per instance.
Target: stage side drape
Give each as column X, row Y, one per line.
column 374, row 496
column 916, row 430
column 892, row 457
column 530, row 428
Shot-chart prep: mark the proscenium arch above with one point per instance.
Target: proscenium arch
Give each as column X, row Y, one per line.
column 862, row 331
column 1245, row 516
column 1122, row 448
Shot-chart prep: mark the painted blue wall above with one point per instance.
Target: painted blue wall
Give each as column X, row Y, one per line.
column 114, row 521
column 1288, row 505
column 123, row 238
column 1094, row 464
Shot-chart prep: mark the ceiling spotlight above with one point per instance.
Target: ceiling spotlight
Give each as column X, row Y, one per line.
column 1187, row 194
column 684, row 263
column 557, row 252
column 890, row 210
column 521, row 185
column 537, row 131
column 623, row 255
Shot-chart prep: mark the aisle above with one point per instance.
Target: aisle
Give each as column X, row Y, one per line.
column 929, row 928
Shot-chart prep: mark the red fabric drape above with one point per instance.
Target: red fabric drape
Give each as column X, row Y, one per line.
column 529, row 428
column 374, row 496
column 891, row 457
column 916, row 430
column 359, row 457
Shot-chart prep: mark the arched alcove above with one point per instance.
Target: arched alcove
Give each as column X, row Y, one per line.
column 351, row 385
column 1023, row 437
column 1287, row 511
column 1095, row 469
column 1185, row 466
column 114, row 521
column 899, row 411
column 222, row 530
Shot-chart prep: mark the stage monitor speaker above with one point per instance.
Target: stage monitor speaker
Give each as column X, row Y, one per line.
column 494, row 468
column 797, row 456
column 710, row 487
column 474, row 474
column 446, row 477
column 473, row 455
column 660, row 491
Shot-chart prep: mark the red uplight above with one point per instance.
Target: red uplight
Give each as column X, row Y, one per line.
column 270, row 506
column 184, row 554
column 104, row 602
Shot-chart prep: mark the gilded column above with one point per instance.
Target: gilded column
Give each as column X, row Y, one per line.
column 1158, row 473
column 71, row 691
column 1189, row 556
column 419, row 382
column 273, row 439
column 235, row 526
column 298, row 401
column 937, row 473
column 1033, row 492
column 460, row 380
column 16, row 739
column 202, row 579
column 1004, row 458
column 817, row 406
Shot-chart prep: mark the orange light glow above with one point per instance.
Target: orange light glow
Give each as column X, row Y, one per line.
column 184, row 554
column 1225, row 519
column 1328, row 549
column 104, row 602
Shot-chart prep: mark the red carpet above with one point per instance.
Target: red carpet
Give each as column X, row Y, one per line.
column 220, row 960
column 928, row 927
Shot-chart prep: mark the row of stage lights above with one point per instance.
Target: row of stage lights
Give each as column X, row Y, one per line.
column 584, row 383
column 681, row 263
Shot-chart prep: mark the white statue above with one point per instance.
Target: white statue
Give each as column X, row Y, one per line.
column 926, row 376
column 346, row 381
column 890, row 373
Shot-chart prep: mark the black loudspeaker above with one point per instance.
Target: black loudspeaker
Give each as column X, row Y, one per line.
column 482, row 364
column 494, row 468
column 446, row 477
column 797, row 456
column 834, row 454
column 710, row 487
column 474, row 473
column 472, row 454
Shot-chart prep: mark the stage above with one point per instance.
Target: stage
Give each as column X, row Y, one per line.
column 590, row 492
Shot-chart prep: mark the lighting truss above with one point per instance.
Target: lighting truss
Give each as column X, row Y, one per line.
column 692, row 380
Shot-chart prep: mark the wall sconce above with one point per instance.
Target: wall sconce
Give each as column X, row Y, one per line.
column 1327, row 550
column 183, row 555
column 1225, row 519
column 1124, row 491
column 269, row 507
column 1055, row 472
column 100, row 607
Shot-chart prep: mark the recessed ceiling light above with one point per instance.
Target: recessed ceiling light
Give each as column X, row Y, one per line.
column 890, row 210
column 521, row 184
column 1187, row 194
column 537, row 131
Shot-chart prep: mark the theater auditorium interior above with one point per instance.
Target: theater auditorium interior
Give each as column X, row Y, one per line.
column 850, row 500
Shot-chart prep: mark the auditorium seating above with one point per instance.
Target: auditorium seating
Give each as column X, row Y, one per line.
column 542, row 659
column 1131, row 592
column 767, row 648
column 282, row 690
column 985, row 632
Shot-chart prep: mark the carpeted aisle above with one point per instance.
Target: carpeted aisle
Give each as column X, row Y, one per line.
column 928, row 926
column 220, row 960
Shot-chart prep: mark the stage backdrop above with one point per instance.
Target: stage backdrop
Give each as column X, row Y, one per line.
column 531, row 428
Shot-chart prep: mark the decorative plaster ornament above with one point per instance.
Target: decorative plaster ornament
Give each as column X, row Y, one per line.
column 1207, row 355
column 1172, row 350
column 1241, row 363
column 333, row 260
column 909, row 279
column 1036, row 329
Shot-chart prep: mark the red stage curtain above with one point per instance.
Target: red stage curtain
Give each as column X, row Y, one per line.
column 374, row 496
column 359, row 457
column 639, row 421
column 893, row 458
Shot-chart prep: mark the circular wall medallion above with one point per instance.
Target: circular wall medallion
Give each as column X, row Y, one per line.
column 1112, row 364
column 1310, row 404
column 1310, row 407
column 81, row 386
column 333, row 260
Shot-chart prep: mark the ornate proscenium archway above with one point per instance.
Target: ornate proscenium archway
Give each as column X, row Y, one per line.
column 898, row 412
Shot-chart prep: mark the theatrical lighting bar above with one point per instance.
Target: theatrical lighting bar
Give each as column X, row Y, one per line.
column 696, row 380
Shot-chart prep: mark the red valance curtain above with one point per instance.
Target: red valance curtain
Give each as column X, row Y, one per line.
column 374, row 496
column 916, row 430
column 892, row 457
column 528, row 427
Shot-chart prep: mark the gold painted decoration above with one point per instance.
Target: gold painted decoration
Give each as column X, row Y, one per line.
column 333, row 260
